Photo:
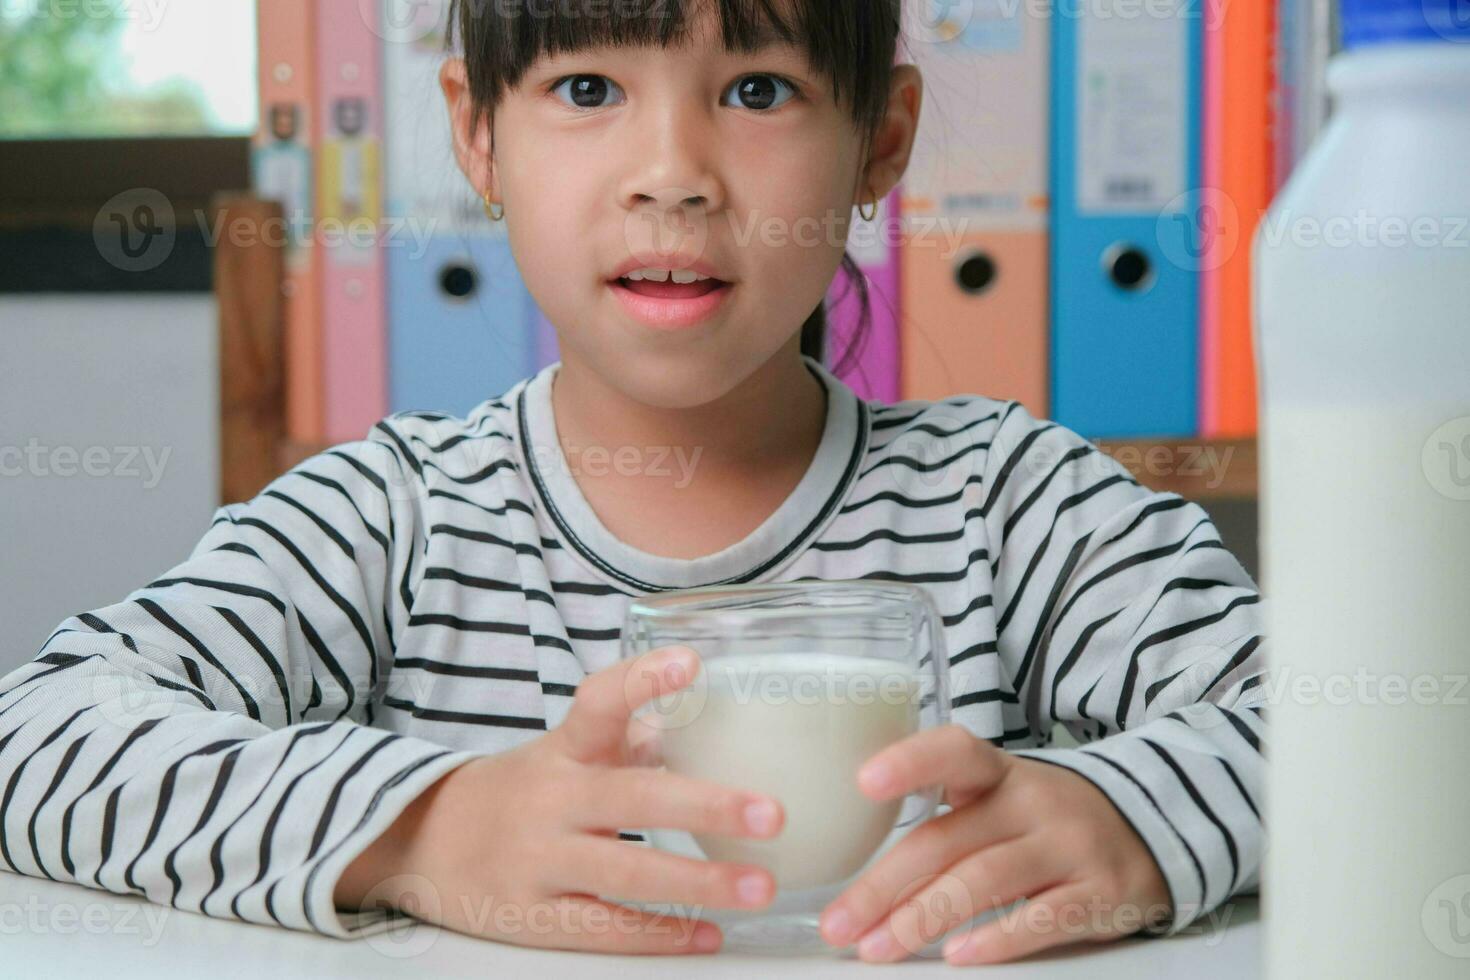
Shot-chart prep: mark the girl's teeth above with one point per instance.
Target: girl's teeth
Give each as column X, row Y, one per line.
column 663, row 275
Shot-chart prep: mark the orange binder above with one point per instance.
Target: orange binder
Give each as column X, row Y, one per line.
column 283, row 162
column 974, row 279
column 1238, row 172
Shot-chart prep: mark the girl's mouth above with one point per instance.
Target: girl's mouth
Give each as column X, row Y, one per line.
column 671, row 305
column 671, row 289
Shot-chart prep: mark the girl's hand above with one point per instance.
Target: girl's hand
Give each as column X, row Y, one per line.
column 516, row 846
column 1018, row 828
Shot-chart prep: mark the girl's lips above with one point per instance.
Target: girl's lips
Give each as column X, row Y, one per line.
column 670, row 289
column 670, row 305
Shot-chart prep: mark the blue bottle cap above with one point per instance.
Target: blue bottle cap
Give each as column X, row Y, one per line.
column 1367, row 22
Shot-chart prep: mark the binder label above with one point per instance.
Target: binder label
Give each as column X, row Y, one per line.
column 1131, row 104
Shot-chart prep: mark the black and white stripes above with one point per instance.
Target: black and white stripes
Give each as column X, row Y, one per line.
column 228, row 737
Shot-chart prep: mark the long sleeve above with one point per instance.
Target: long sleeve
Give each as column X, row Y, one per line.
column 206, row 742
column 1123, row 617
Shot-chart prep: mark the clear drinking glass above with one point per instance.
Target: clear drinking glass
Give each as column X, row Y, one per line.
column 799, row 684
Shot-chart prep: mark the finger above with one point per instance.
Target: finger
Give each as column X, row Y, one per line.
column 596, row 726
column 949, row 756
column 634, row 798
column 931, row 847
column 987, row 879
column 645, row 744
column 1055, row 917
column 645, row 874
column 585, row 922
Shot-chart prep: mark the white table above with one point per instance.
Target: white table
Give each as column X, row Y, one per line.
column 49, row 930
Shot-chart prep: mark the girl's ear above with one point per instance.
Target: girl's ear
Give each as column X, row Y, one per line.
column 472, row 146
column 894, row 141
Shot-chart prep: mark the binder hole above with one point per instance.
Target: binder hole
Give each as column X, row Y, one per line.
column 1128, row 266
column 976, row 273
column 457, row 280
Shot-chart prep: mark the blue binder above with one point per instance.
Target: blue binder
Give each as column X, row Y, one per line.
column 459, row 318
column 1126, row 133
column 459, row 315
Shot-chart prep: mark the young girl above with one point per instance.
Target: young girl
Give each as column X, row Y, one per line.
column 395, row 673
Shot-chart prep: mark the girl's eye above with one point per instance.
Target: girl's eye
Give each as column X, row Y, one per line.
column 757, row 92
column 587, row 91
column 760, row 92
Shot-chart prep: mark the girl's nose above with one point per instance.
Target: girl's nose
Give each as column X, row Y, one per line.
column 674, row 162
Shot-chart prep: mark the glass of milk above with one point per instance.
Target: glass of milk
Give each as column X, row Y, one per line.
column 799, row 684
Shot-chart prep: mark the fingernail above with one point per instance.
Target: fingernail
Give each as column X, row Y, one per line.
column 876, row 778
column 838, row 926
column 679, row 665
column 957, row 945
column 877, row 944
column 752, row 889
column 706, row 939
column 760, row 816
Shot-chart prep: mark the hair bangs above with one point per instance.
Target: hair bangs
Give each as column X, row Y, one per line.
column 852, row 49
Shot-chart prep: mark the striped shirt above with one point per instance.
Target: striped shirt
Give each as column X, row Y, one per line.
column 227, row 738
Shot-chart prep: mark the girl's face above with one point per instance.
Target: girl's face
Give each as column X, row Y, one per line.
column 667, row 157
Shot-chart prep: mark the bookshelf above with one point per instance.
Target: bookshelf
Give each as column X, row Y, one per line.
column 254, row 447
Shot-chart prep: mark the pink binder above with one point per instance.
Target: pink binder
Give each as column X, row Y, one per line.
column 350, row 108
column 871, row 369
column 282, row 161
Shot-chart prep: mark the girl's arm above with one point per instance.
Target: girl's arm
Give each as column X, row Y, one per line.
column 1124, row 618
column 203, row 742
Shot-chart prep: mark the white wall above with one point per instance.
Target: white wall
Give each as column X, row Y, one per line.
column 109, row 451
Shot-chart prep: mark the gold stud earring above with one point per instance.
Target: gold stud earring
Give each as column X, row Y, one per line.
column 491, row 214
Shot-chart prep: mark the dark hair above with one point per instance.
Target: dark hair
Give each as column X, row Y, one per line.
column 855, row 48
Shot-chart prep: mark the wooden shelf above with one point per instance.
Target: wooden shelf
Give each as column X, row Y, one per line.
column 1199, row 469
column 254, row 448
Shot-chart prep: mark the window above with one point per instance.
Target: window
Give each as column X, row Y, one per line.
column 102, row 99
column 97, row 68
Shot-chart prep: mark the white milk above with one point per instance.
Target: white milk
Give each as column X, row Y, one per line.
column 797, row 727
column 1366, row 555
column 1362, row 286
